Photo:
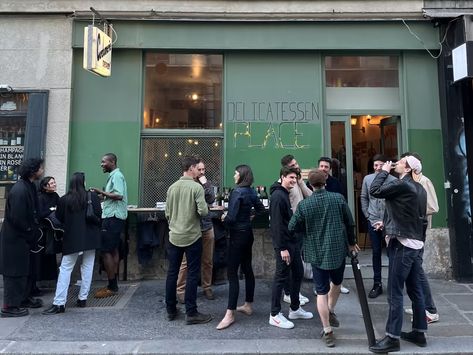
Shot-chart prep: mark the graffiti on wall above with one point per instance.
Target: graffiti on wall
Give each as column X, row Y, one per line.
column 460, row 151
column 271, row 124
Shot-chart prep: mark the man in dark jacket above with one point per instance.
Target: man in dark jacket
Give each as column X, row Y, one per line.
column 20, row 233
column 287, row 251
column 404, row 222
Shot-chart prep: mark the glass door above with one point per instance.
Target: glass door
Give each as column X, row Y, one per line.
column 339, row 148
column 391, row 136
column 352, row 142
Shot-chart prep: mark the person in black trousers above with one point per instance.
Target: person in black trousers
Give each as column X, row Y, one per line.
column 238, row 219
column 20, row 233
column 286, row 250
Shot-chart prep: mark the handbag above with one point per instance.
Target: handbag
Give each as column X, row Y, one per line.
column 90, row 216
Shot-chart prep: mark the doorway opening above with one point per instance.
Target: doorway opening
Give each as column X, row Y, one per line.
column 354, row 141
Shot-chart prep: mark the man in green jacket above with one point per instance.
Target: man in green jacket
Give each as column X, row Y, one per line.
column 329, row 234
column 185, row 205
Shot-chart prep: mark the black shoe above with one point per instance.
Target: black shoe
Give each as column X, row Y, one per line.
column 376, row 291
column 198, row 318
column 171, row 315
column 54, row 310
column 386, row 345
column 81, row 303
column 415, row 337
column 36, row 292
column 14, row 312
column 31, row 302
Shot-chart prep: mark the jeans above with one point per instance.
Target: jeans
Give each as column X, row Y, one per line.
column 206, row 264
column 429, row 301
column 240, row 253
column 296, row 270
column 64, row 279
column 405, row 265
column 376, row 237
column 193, row 256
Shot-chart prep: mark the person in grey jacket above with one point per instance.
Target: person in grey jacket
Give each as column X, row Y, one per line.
column 373, row 210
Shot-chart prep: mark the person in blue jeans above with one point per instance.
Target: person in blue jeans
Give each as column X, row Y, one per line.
column 238, row 220
column 404, row 222
column 373, row 210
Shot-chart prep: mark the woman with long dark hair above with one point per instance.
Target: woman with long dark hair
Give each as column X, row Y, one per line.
column 80, row 238
column 238, row 220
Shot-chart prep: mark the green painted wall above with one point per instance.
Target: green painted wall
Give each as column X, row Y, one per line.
column 106, row 117
column 428, row 143
column 421, row 90
column 272, row 107
column 422, row 109
column 232, row 35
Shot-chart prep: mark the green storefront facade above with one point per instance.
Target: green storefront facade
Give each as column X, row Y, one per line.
column 280, row 94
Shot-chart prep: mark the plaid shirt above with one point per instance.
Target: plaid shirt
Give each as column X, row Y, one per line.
column 329, row 228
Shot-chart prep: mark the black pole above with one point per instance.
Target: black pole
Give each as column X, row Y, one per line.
column 360, row 288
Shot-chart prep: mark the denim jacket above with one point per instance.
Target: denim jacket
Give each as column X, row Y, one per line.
column 242, row 199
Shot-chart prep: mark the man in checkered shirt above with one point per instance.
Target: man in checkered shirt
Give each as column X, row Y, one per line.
column 329, row 235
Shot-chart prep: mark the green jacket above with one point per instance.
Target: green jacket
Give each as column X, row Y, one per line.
column 328, row 225
column 185, row 204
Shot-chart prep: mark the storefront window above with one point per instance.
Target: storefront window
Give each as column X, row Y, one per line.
column 183, row 91
column 13, row 111
column 361, row 71
column 161, row 163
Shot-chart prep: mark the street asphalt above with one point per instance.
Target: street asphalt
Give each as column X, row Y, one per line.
column 137, row 325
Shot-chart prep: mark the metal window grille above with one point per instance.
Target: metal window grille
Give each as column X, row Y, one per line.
column 161, row 163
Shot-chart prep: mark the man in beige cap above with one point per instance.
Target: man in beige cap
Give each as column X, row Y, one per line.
column 404, row 223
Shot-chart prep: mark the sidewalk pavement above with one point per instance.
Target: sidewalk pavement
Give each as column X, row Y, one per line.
column 138, row 325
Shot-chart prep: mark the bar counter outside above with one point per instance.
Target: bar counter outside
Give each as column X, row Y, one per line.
column 141, row 221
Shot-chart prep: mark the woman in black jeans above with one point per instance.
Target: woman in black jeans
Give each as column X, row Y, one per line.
column 238, row 220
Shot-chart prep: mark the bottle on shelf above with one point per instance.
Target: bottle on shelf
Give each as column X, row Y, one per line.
column 20, row 137
column 264, row 196
column 226, row 197
column 10, row 173
column 218, row 197
column 258, row 192
column 13, row 139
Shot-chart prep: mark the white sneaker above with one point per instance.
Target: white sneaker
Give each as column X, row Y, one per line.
column 287, row 299
column 408, row 311
column 280, row 321
column 431, row 317
column 303, row 299
column 344, row 290
column 300, row 314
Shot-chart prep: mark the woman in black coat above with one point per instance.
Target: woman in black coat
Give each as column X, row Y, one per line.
column 48, row 197
column 44, row 263
column 20, row 232
column 80, row 238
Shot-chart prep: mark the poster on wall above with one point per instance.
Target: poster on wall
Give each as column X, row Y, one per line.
column 10, row 159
